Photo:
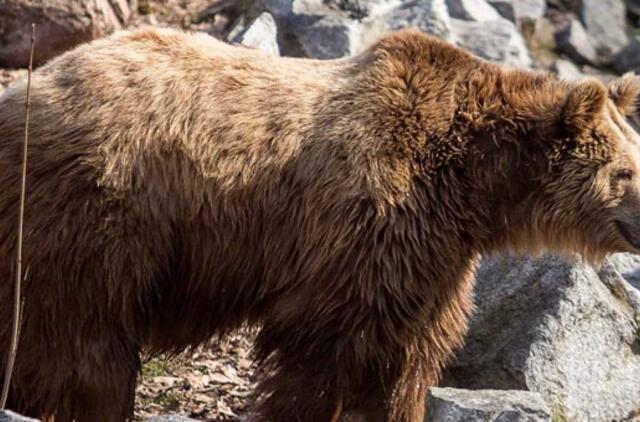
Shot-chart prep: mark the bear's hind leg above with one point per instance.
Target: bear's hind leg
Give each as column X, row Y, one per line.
column 56, row 380
column 103, row 385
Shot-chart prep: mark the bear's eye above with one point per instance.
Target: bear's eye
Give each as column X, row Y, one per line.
column 623, row 174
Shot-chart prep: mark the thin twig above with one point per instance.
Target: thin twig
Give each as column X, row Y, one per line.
column 17, row 304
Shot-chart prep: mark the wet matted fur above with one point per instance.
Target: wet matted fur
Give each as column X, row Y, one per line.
column 179, row 188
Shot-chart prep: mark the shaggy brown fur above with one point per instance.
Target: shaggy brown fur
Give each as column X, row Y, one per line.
column 179, row 187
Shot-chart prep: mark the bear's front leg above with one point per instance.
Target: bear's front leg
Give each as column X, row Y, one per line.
column 297, row 392
column 336, row 384
column 369, row 356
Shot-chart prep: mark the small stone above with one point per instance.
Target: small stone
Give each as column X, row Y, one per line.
column 505, row 8
column 575, row 43
column 472, row 10
column 430, row 16
column 520, row 10
column 633, row 8
column 566, row 70
column 9, row 416
column 455, row 405
column 629, row 58
column 261, row 34
column 529, row 9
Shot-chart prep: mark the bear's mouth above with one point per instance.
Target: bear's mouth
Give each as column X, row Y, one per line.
column 631, row 236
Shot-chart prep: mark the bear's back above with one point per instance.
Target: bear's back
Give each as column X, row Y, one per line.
column 160, row 91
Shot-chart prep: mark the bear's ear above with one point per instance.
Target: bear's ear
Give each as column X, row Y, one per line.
column 624, row 92
column 584, row 102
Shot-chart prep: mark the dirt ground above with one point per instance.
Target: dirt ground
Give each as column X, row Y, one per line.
column 212, row 384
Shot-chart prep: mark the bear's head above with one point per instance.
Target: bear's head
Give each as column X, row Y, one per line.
column 589, row 196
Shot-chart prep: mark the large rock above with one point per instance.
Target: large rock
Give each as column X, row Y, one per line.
column 576, row 44
column 9, row 416
column 454, row 405
column 261, row 34
column 169, row 418
column 497, row 40
column 60, row 25
column 605, row 22
column 629, row 58
column 560, row 329
column 472, row 10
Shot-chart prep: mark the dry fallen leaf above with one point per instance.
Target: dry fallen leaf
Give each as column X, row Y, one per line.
column 213, row 384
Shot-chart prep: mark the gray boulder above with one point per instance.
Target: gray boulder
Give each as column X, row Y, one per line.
column 576, row 44
column 497, row 40
column 60, row 26
column 472, row 10
column 454, row 405
column 605, row 22
column 261, row 34
column 629, row 58
column 9, row 416
column 560, row 329
column 169, row 418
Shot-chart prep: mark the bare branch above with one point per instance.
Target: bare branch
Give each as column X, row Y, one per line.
column 17, row 305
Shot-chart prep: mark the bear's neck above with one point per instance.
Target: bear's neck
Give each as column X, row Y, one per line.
column 509, row 119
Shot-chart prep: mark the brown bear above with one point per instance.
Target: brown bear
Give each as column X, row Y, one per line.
column 179, row 188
